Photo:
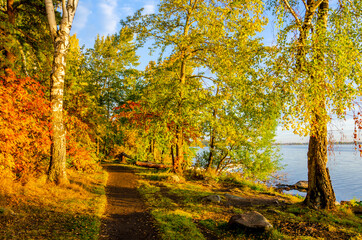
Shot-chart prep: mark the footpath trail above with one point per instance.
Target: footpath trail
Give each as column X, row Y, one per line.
column 126, row 216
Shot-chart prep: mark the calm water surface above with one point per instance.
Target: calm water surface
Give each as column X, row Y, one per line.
column 344, row 163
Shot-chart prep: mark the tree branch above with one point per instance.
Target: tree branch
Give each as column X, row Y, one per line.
column 201, row 76
column 49, row 7
column 64, row 9
column 64, row 20
column 291, row 10
column 305, row 5
column 316, row 5
column 72, row 4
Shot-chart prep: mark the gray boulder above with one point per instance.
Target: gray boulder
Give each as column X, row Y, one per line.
column 253, row 221
column 237, row 201
column 212, row 198
column 301, row 185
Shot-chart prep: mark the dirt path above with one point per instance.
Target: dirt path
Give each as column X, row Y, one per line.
column 126, row 216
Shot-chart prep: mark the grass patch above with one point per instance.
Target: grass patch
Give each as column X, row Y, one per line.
column 177, row 225
column 41, row 210
column 178, row 208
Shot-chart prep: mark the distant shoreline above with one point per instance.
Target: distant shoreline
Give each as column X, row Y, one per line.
column 306, row 143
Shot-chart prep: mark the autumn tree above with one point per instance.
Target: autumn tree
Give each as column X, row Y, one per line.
column 60, row 38
column 193, row 42
column 318, row 77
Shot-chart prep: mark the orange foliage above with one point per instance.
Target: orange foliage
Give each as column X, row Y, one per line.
column 136, row 114
column 24, row 126
column 138, row 117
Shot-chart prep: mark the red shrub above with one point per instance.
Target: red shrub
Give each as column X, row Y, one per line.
column 24, row 126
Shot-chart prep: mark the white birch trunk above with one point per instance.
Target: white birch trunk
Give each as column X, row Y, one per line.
column 60, row 37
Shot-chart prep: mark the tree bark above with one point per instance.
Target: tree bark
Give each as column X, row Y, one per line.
column 320, row 194
column 60, row 37
column 58, row 149
column 172, row 155
column 179, row 158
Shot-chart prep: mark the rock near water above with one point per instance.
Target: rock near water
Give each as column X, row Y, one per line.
column 301, row 185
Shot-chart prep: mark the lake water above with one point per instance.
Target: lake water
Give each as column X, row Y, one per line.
column 344, row 163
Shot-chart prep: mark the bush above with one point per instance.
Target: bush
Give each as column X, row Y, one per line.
column 24, row 136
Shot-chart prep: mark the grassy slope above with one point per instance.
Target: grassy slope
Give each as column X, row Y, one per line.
column 39, row 210
column 181, row 214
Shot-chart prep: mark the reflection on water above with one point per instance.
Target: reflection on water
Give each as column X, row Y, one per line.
column 344, row 163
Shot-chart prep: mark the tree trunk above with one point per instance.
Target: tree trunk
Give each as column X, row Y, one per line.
column 179, row 158
column 212, row 143
column 320, row 192
column 211, row 153
column 172, row 156
column 11, row 11
column 154, row 155
column 219, row 165
column 57, row 166
column 60, row 39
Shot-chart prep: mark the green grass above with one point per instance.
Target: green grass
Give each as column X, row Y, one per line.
column 176, row 226
column 178, row 208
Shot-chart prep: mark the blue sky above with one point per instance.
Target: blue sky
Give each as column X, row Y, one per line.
column 102, row 17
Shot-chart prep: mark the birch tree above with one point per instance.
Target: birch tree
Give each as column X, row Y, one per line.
column 320, row 79
column 60, row 35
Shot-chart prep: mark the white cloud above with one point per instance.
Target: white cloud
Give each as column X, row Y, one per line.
column 149, row 8
column 81, row 17
column 110, row 18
